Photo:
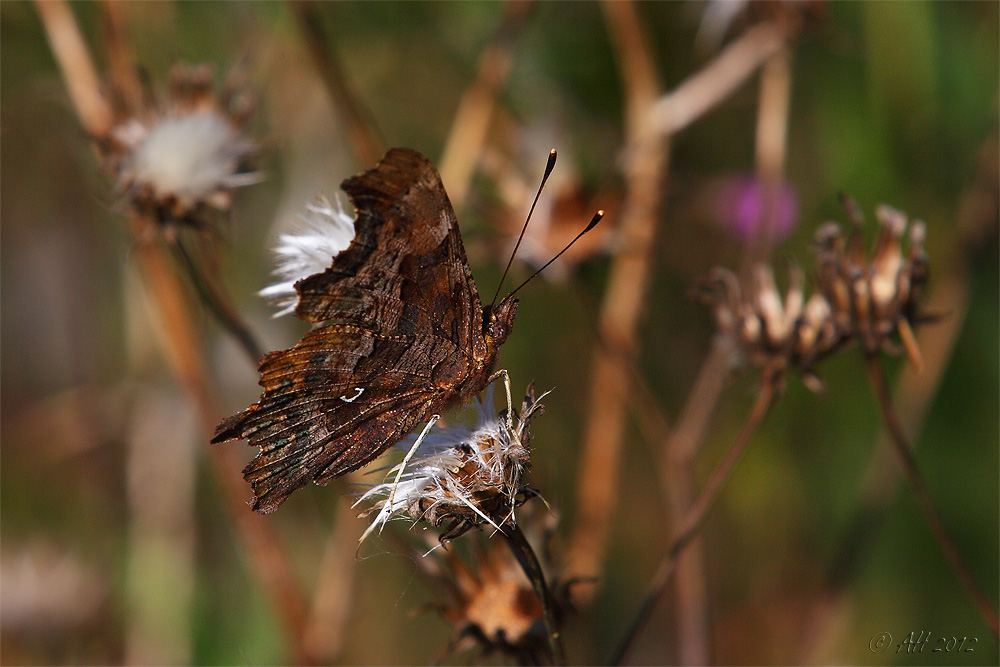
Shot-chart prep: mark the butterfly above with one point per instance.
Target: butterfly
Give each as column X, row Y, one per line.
column 405, row 337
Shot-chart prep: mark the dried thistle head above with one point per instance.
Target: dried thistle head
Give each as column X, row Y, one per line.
column 874, row 295
column 490, row 602
column 771, row 331
column 461, row 477
column 187, row 155
column 861, row 297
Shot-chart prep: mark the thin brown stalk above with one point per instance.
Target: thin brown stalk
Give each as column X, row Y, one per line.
column 475, row 110
column 217, row 302
column 121, row 58
column 912, row 473
column 975, row 218
column 770, row 148
column 77, row 67
column 361, row 131
column 528, row 561
column 680, row 450
column 696, row 515
column 183, row 351
column 326, row 628
column 646, row 158
column 914, row 393
column 719, row 79
column 179, row 339
column 690, row 590
column 161, row 526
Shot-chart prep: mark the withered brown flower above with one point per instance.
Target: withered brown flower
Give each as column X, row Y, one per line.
column 876, row 295
column 867, row 298
column 490, row 602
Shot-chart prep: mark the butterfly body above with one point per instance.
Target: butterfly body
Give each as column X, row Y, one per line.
column 405, row 337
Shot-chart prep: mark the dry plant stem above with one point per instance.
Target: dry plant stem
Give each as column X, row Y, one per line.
column 179, row 340
column 528, row 561
column 261, row 545
column 120, row 55
column 828, row 619
column 77, row 67
column 718, row 79
column 646, row 157
column 681, row 447
column 217, row 302
column 472, row 118
column 771, row 143
column 916, row 480
column 696, row 516
column 364, row 139
column 325, row 631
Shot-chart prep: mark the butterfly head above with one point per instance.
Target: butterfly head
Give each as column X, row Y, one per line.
column 499, row 320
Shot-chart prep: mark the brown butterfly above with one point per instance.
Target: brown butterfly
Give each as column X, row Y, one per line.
column 406, row 337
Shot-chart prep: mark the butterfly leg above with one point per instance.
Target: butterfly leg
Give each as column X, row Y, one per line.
column 510, row 405
column 386, row 510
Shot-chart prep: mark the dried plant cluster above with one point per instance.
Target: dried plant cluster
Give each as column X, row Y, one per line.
column 185, row 156
column 863, row 298
column 462, row 477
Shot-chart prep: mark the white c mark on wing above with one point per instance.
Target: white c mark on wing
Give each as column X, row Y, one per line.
column 360, row 391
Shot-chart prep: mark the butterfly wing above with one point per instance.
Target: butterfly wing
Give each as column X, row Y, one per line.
column 404, row 319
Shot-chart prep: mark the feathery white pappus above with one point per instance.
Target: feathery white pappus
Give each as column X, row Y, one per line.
column 462, row 476
column 324, row 231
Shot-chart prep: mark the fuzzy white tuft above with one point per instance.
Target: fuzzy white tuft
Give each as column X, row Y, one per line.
column 326, row 230
column 455, row 470
column 191, row 156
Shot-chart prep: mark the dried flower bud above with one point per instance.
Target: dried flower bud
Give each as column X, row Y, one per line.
column 770, row 330
column 876, row 295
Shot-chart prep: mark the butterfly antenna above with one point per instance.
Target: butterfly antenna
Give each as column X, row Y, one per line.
column 548, row 170
column 593, row 223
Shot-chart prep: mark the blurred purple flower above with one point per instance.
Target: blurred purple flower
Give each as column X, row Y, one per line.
column 741, row 208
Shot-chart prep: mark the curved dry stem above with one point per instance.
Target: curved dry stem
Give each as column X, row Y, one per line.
column 217, row 303
column 975, row 218
column 927, row 507
column 680, row 449
column 528, row 561
column 696, row 516
column 260, row 543
column 719, row 79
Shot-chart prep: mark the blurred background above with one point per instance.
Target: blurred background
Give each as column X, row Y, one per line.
column 120, row 541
